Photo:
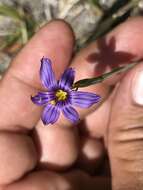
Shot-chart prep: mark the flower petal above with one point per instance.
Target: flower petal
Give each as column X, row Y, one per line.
column 46, row 74
column 70, row 113
column 42, row 98
column 84, row 99
column 50, row 114
column 67, row 79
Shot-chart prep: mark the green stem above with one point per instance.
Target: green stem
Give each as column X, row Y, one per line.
column 106, row 25
column 91, row 81
column 24, row 33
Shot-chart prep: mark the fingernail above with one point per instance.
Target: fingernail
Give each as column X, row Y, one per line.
column 137, row 88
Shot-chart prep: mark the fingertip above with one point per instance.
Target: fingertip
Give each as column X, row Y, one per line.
column 57, row 146
column 91, row 154
column 55, row 40
column 67, row 31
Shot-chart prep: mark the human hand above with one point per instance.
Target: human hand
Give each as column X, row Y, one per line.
column 37, row 164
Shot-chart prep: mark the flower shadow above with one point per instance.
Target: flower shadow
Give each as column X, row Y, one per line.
column 108, row 57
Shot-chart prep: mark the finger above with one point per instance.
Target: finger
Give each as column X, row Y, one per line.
column 58, row 147
column 17, row 112
column 91, row 154
column 22, row 79
column 125, row 136
column 47, row 180
column 86, row 68
column 17, row 156
column 127, row 38
column 68, row 147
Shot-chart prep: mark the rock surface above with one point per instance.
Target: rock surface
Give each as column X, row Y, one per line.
column 81, row 14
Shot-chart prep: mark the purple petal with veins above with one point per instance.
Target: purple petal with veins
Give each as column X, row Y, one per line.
column 42, row 98
column 47, row 75
column 84, row 99
column 67, row 79
column 50, row 114
column 70, row 113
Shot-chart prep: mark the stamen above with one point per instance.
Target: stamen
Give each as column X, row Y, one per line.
column 61, row 95
column 53, row 102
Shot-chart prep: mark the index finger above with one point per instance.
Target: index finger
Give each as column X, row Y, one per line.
column 55, row 41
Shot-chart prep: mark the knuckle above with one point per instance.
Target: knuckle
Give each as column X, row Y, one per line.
column 127, row 143
column 126, row 138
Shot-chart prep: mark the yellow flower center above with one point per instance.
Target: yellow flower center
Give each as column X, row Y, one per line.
column 61, row 95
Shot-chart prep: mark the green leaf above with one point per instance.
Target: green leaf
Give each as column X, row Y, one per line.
column 9, row 40
column 118, row 13
column 96, row 2
column 26, row 24
column 10, row 12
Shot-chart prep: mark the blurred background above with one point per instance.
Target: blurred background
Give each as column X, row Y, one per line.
column 90, row 19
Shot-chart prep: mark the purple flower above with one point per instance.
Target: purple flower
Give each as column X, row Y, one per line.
column 60, row 96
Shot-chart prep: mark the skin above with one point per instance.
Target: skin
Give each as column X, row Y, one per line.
column 37, row 157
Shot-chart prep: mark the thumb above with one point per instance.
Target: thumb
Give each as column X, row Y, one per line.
column 125, row 135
